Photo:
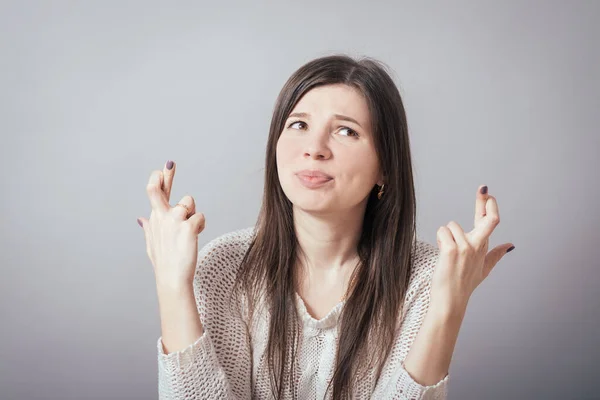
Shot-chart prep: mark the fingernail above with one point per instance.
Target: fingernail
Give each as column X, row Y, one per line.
column 169, row 164
column 140, row 223
column 510, row 249
column 484, row 190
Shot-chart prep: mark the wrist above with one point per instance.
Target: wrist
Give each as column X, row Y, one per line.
column 169, row 288
column 448, row 311
column 175, row 299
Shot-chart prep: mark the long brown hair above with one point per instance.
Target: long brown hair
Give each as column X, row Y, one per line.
column 372, row 308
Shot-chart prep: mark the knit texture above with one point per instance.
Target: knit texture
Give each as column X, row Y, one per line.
column 229, row 360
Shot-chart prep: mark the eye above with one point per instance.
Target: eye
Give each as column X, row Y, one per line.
column 352, row 132
column 295, row 122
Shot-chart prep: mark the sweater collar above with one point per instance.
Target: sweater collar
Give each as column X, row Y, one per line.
column 328, row 321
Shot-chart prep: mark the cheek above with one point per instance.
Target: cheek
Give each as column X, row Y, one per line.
column 362, row 164
column 362, row 177
column 283, row 161
column 284, row 152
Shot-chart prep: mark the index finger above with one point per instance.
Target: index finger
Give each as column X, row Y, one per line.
column 158, row 201
column 480, row 200
column 487, row 224
column 168, row 173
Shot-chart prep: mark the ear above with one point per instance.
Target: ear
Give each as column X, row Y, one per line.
column 381, row 180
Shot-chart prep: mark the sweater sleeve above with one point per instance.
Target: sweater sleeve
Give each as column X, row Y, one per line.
column 408, row 388
column 402, row 386
column 192, row 373
column 218, row 364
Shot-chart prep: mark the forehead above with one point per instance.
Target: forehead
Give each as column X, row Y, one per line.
column 323, row 101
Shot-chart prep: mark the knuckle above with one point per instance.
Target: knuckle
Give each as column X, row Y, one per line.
column 175, row 214
column 151, row 188
column 199, row 220
column 452, row 249
column 188, row 199
column 155, row 173
column 465, row 250
column 494, row 220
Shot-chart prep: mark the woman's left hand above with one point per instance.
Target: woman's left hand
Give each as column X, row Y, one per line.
column 464, row 261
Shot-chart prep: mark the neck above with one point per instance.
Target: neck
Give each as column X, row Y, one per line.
column 328, row 242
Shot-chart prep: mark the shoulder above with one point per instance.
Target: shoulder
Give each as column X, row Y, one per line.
column 228, row 246
column 424, row 258
column 216, row 270
column 219, row 259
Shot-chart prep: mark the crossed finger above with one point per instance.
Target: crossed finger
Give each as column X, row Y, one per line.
column 185, row 208
column 168, row 174
column 487, row 216
column 158, row 200
column 480, row 200
column 458, row 234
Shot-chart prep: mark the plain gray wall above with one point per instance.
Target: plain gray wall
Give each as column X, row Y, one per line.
column 94, row 96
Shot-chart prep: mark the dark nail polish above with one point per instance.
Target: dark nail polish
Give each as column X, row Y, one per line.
column 510, row 249
column 484, row 190
column 170, row 165
column 140, row 223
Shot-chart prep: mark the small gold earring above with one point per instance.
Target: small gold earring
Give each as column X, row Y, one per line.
column 380, row 192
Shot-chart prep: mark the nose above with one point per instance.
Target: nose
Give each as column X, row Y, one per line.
column 316, row 146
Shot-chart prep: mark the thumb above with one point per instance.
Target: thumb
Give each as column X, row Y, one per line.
column 494, row 256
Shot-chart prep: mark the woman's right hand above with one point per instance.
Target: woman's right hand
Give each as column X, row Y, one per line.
column 171, row 232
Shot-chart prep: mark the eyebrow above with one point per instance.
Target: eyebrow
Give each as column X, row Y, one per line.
column 338, row 116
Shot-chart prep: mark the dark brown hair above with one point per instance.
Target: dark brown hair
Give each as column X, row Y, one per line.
column 371, row 312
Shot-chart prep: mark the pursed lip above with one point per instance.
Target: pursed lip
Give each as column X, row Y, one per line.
column 314, row 173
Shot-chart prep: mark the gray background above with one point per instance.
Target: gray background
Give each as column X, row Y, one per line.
column 95, row 95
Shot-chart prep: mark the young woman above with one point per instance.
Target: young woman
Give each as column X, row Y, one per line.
column 331, row 294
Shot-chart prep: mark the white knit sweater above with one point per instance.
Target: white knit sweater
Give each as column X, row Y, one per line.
column 225, row 363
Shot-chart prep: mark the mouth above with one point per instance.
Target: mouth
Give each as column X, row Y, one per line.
column 314, row 173
column 313, row 182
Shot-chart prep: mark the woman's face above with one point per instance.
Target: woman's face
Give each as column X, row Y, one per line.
column 318, row 139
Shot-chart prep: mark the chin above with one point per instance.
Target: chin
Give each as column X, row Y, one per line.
column 310, row 201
